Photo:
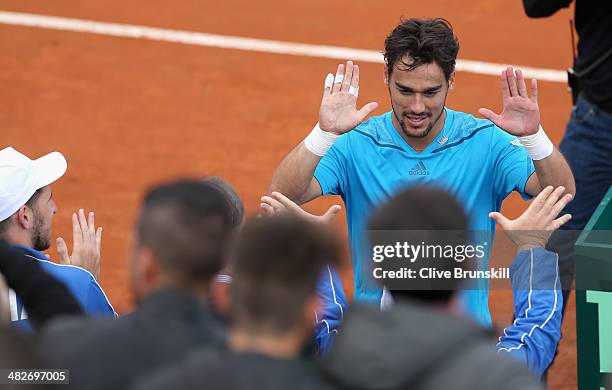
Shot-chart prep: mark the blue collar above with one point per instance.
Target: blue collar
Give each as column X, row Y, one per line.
column 31, row 252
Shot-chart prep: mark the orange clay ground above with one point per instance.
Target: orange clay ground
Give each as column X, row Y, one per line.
column 128, row 113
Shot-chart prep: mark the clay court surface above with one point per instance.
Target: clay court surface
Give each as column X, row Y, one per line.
column 128, row 113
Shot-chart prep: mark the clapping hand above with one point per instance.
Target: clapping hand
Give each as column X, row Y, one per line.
column 86, row 244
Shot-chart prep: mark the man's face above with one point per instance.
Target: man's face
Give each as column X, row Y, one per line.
column 418, row 97
column 43, row 210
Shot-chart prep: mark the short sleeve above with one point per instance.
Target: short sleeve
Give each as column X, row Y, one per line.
column 512, row 165
column 331, row 172
column 97, row 304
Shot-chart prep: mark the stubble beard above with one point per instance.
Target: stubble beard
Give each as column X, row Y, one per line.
column 429, row 127
column 424, row 134
column 41, row 239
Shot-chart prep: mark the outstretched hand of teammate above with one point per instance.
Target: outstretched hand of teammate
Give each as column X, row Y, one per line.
column 521, row 114
column 86, row 244
column 535, row 226
column 338, row 113
column 278, row 203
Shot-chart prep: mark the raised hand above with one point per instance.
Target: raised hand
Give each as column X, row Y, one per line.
column 86, row 244
column 520, row 115
column 279, row 203
column 338, row 113
column 535, row 226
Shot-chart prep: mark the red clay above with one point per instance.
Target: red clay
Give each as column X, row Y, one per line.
column 128, row 113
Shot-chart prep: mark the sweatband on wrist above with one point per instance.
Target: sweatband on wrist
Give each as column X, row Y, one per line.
column 538, row 145
column 319, row 141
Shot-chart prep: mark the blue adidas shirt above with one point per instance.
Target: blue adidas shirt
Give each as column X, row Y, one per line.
column 79, row 282
column 471, row 158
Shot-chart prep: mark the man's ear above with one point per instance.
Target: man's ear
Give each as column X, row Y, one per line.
column 149, row 269
column 143, row 272
column 451, row 80
column 311, row 306
column 25, row 217
column 221, row 297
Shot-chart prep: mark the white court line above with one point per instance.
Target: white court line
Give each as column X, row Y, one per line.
column 248, row 44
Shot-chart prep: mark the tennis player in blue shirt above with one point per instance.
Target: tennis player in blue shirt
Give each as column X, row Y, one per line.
column 420, row 140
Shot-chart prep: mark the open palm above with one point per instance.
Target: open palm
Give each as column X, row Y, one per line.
column 535, row 226
column 521, row 114
column 278, row 203
column 338, row 113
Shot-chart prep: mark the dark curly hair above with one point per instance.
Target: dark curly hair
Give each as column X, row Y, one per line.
column 424, row 41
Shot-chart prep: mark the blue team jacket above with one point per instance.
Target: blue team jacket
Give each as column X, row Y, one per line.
column 79, row 282
column 533, row 336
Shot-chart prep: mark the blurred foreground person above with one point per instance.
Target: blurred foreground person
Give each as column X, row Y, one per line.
column 333, row 301
column 17, row 352
column 423, row 342
column 274, row 299
column 26, row 211
column 180, row 244
column 43, row 296
column 220, row 287
column 17, row 349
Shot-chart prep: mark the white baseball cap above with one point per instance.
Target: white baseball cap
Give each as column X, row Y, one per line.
column 20, row 177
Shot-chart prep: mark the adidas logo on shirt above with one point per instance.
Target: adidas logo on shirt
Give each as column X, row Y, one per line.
column 419, row 170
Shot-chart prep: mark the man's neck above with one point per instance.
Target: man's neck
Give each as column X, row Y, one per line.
column 420, row 144
column 15, row 238
column 168, row 283
column 286, row 345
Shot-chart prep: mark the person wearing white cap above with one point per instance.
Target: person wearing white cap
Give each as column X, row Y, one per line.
column 26, row 211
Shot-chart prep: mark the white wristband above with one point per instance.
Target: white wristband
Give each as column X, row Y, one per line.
column 319, row 141
column 538, row 145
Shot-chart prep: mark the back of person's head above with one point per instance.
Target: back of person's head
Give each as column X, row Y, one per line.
column 220, row 289
column 278, row 261
column 236, row 206
column 182, row 235
column 425, row 210
column 415, row 42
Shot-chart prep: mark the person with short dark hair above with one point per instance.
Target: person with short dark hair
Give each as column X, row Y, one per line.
column 235, row 204
column 406, row 212
column 419, row 140
column 421, row 341
column 333, row 301
column 277, row 264
column 220, row 287
column 181, row 241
